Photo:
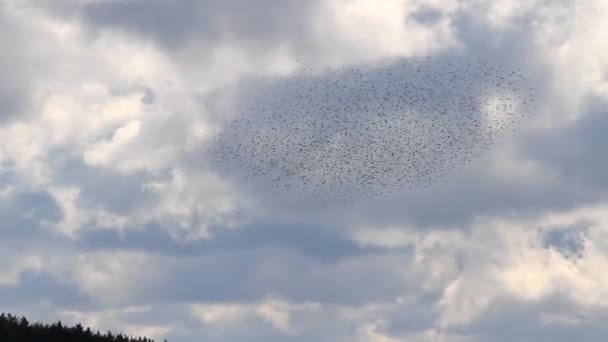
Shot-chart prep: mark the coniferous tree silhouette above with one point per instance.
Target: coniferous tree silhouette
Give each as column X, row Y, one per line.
column 19, row 329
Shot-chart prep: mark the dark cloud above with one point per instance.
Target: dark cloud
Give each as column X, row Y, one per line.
column 12, row 101
column 576, row 151
column 251, row 275
column 570, row 241
column 261, row 23
column 315, row 242
column 255, row 330
column 103, row 188
column 149, row 96
column 426, row 16
column 486, row 194
column 34, row 287
column 23, row 212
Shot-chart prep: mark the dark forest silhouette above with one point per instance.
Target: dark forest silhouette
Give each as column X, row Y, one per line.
column 19, row 329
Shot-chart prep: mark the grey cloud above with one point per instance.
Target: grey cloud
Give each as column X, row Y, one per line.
column 568, row 241
column 315, row 242
column 577, row 150
column 246, row 276
column 12, row 101
column 149, row 96
column 34, row 287
column 16, row 83
column 252, row 330
column 485, row 195
column 22, row 213
column 263, row 23
column 104, row 188
column 426, row 15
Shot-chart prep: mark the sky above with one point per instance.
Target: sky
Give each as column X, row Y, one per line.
column 109, row 215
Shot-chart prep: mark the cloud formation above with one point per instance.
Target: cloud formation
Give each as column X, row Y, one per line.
column 111, row 217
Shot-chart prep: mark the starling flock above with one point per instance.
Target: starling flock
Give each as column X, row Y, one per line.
column 369, row 130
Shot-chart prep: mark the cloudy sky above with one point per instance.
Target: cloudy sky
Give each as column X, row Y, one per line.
column 109, row 217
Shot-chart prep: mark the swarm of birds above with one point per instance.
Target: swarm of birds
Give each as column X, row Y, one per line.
column 369, row 130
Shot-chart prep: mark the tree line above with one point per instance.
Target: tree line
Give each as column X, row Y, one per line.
column 19, row 329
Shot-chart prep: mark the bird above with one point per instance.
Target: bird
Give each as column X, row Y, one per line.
column 370, row 130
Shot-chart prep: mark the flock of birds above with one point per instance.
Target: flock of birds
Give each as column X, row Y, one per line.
column 369, row 130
